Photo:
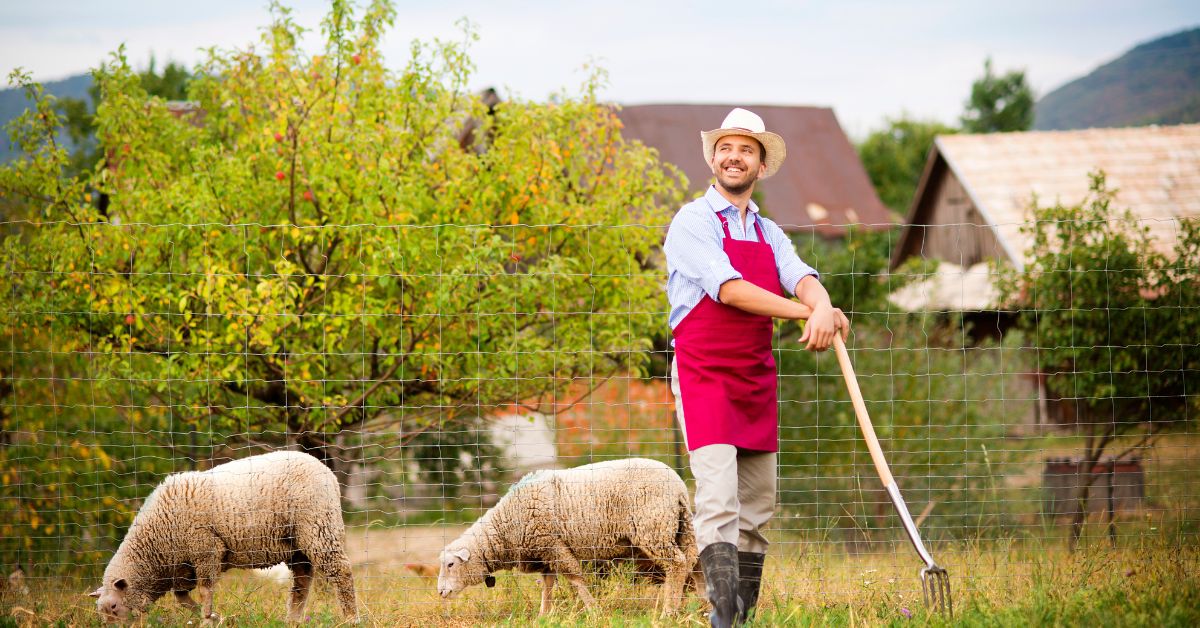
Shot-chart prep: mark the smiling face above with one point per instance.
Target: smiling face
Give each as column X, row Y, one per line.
column 737, row 163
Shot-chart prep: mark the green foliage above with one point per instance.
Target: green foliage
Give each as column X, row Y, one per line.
column 441, row 461
column 999, row 103
column 933, row 402
column 895, row 157
column 319, row 249
column 851, row 268
column 1113, row 316
column 313, row 251
column 936, row 400
column 62, row 443
column 79, row 115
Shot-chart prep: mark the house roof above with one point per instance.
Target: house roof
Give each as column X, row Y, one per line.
column 1155, row 171
column 822, row 185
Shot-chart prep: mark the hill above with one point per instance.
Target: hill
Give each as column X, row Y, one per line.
column 13, row 102
column 1157, row 82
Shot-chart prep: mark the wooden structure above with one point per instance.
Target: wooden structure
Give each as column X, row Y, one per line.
column 977, row 191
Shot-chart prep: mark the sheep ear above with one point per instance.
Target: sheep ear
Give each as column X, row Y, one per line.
column 463, row 554
column 97, row 592
column 120, row 584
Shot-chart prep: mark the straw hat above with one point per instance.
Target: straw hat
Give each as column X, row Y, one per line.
column 742, row 122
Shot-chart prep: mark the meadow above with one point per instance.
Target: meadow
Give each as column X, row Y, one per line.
column 1150, row 580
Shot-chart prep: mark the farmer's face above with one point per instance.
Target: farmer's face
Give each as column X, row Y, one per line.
column 737, row 163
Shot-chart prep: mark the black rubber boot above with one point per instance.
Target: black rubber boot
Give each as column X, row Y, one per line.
column 750, row 568
column 720, row 564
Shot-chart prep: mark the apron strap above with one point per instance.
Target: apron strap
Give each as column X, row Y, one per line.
column 757, row 229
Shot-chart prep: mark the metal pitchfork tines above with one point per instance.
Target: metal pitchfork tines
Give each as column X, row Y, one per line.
column 935, row 582
column 935, row 585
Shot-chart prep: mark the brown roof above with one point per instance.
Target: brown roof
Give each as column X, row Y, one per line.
column 822, row 184
column 1155, row 170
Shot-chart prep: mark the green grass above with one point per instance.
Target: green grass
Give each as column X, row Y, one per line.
column 1154, row 581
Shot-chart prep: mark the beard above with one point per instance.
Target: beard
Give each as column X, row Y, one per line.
column 737, row 186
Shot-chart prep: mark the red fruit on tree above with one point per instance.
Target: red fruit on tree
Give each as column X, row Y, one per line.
column 357, row 59
column 308, row 195
column 279, row 137
column 129, row 319
column 279, row 175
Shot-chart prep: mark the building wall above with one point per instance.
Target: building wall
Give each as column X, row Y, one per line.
column 957, row 232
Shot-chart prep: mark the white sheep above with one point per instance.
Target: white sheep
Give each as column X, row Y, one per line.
column 250, row 513
column 550, row 521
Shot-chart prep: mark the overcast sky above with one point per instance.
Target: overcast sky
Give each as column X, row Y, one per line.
column 867, row 59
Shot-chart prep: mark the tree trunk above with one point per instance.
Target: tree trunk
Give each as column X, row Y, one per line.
column 322, row 447
column 1092, row 453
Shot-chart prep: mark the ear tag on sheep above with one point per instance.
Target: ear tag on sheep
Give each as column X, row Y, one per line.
column 489, row 581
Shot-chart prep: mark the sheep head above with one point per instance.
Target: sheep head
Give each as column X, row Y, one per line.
column 460, row 568
column 117, row 600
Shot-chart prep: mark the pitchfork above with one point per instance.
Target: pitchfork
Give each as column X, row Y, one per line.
column 935, row 582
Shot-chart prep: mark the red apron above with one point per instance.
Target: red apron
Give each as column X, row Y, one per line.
column 727, row 377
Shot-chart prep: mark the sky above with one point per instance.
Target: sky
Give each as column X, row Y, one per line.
column 869, row 60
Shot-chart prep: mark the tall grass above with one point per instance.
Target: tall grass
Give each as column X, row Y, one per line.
column 1153, row 582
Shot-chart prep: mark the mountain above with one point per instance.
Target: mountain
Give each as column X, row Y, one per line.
column 1157, row 82
column 13, row 102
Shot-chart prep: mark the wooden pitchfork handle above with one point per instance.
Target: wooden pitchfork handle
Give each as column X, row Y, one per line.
column 934, row 581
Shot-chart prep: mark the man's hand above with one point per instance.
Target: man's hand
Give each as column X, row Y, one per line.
column 824, row 322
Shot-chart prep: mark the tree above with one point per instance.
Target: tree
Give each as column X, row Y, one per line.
column 894, row 158
column 999, row 103
column 1114, row 320
column 79, row 115
column 311, row 255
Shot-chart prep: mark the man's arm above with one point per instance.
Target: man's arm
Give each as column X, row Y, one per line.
column 824, row 321
column 746, row 296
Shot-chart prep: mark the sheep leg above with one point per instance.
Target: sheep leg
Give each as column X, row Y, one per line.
column 325, row 546
column 566, row 564
column 302, row 575
column 185, row 600
column 208, row 569
column 674, row 564
column 548, row 579
column 334, row 566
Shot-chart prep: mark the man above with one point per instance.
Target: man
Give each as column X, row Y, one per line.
column 728, row 269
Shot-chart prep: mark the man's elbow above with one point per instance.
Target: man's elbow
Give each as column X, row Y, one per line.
column 729, row 294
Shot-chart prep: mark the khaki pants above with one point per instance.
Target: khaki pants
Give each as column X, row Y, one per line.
column 735, row 490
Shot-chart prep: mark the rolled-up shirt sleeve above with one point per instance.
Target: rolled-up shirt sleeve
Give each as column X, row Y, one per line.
column 694, row 252
column 791, row 268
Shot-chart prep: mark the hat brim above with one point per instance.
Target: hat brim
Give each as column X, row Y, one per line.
column 772, row 143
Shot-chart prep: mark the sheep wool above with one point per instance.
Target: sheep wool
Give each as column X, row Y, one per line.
column 251, row 513
column 551, row 521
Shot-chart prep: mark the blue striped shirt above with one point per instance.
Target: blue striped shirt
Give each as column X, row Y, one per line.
column 696, row 260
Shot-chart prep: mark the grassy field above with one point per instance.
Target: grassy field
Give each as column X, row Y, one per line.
column 1151, row 580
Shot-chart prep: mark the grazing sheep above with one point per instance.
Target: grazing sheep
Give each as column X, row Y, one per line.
column 249, row 514
column 550, row 521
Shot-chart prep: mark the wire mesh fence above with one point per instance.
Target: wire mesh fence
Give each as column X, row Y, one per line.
column 431, row 368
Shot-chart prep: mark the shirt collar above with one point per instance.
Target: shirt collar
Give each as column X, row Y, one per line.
column 719, row 203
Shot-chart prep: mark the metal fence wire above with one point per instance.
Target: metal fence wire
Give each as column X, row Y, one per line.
column 430, row 368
